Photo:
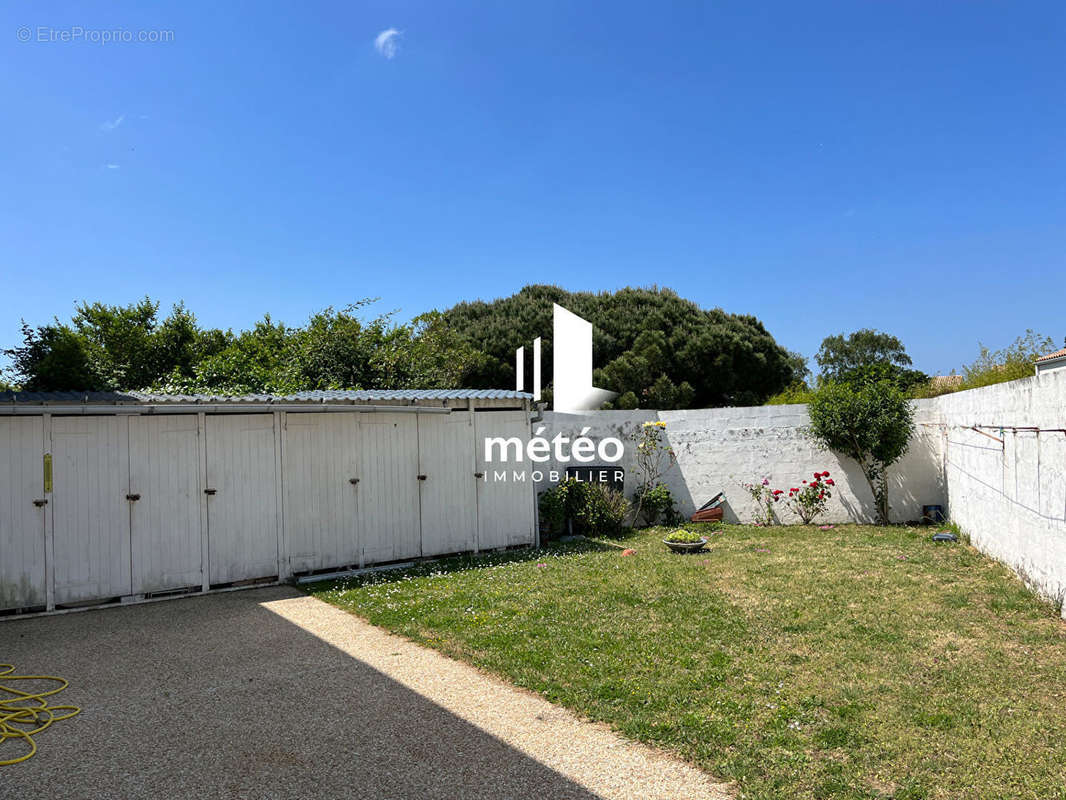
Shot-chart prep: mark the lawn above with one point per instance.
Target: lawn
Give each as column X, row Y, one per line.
column 859, row 662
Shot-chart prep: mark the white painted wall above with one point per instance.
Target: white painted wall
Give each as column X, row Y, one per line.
column 1011, row 496
column 719, row 449
column 1008, row 495
column 1057, row 365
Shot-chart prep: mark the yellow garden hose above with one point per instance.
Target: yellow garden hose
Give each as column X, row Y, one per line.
column 25, row 714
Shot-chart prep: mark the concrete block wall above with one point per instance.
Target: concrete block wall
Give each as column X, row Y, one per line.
column 1008, row 492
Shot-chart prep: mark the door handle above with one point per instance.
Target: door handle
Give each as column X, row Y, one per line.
column 421, row 477
column 40, row 503
column 210, row 491
column 479, row 475
column 133, row 497
column 353, row 481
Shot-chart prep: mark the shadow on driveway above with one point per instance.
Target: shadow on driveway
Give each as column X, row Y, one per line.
column 218, row 697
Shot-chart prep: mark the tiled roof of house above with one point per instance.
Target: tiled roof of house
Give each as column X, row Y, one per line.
column 1057, row 354
column 943, row 381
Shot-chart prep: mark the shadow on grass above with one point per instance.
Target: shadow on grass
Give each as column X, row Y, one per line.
column 464, row 562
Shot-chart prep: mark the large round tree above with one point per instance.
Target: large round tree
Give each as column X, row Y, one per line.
column 656, row 349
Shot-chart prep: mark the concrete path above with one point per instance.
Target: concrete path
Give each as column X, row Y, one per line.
column 272, row 694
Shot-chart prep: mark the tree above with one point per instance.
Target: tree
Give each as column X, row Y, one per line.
column 109, row 347
column 438, row 356
column 52, row 358
column 639, row 336
column 126, row 347
column 249, row 362
column 653, row 347
column 867, row 355
column 119, row 342
column 871, row 423
column 639, row 373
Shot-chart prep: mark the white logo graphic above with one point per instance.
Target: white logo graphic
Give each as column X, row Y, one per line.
column 561, row 449
column 540, row 450
column 572, row 351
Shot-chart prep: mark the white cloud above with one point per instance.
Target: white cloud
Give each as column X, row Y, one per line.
column 388, row 42
column 112, row 166
column 110, row 125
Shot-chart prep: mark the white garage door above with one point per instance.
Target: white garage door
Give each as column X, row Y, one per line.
column 388, row 487
column 148, row 503
column 91, row 513
column 504, row 507
column 448, row 488
column 242, row 497
column 165, row 480
column 322, row 478
column 22, row 575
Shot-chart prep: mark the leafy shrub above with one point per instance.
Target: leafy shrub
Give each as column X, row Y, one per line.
column 595, row 508
column 130, row 347
column 598, row 509
column 797, row 393
column 683, row 536
column 657, row 504
column 552, row 503
column 994, row 366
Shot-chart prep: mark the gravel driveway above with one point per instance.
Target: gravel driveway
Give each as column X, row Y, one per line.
column 269, row 693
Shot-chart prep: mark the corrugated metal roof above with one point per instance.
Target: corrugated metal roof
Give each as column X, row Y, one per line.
column 1057, row 354
column 360, row 395
column 69, row 398
column 413, row 394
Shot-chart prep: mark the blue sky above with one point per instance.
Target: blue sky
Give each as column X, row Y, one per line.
column 823, row 166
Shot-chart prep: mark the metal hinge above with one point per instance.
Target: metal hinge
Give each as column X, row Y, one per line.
column 40, row 503
column 133, row 497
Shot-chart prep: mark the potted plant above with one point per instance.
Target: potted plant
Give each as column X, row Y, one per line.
column 684, row 541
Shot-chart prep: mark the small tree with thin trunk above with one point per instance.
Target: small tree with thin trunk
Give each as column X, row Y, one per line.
column 654, row 456
column 871, row 423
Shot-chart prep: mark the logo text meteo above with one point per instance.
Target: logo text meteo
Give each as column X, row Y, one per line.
column 560, row 448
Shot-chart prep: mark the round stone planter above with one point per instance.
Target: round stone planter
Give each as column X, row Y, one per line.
column 686, row 547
